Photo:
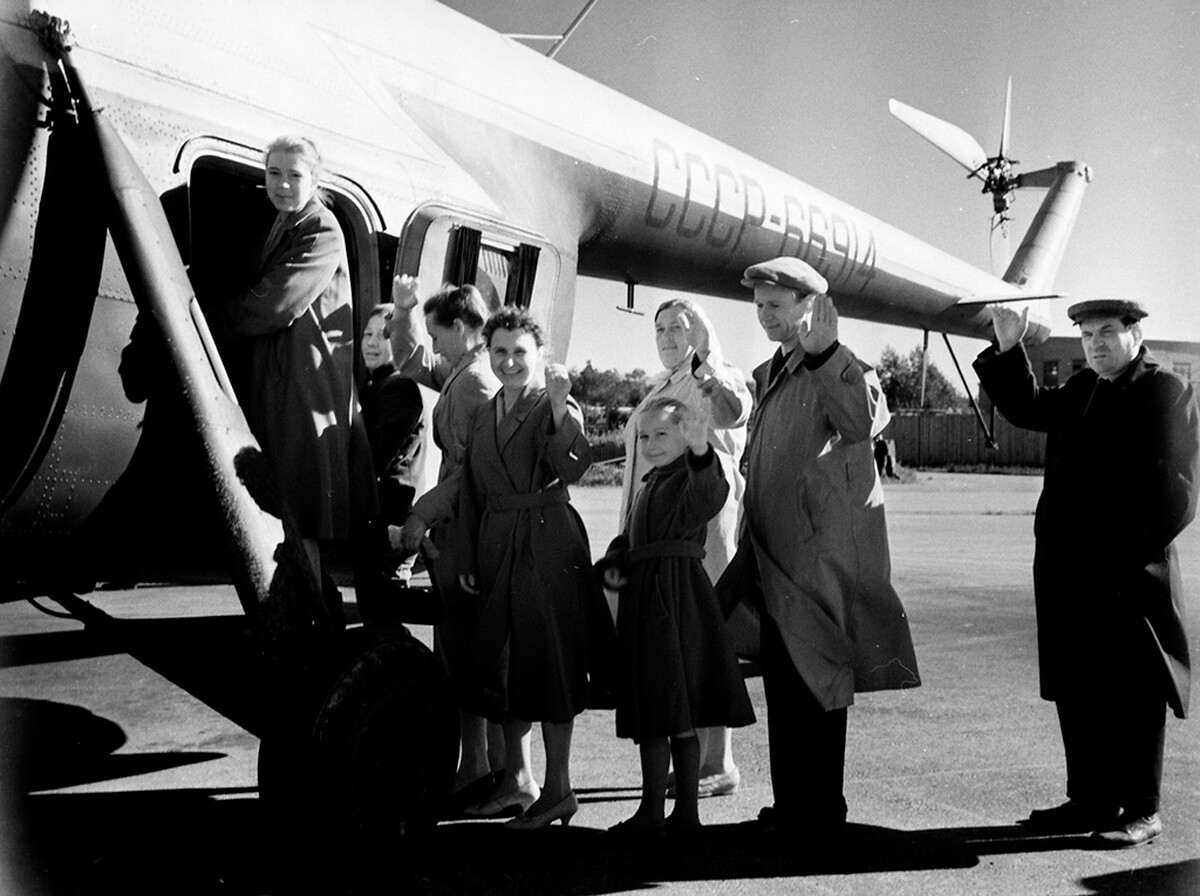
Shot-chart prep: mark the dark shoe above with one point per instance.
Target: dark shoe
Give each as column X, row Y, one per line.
column 633, row 832
column 811, row 826
column 1134, row 832
column 681, row 833
column 1074, row 817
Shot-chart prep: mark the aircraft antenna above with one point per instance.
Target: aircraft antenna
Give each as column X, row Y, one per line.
column 566, row 35
column 559, row 39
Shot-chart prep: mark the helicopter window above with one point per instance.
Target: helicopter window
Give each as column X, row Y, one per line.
column 507, row 268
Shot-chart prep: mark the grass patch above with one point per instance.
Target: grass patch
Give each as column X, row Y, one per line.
column 604, row 474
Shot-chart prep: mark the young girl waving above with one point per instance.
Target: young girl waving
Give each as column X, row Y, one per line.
column 677, row 673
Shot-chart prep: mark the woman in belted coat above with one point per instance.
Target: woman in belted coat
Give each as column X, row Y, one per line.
column 527, row 558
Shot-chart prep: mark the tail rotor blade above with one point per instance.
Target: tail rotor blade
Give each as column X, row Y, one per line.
column 1005, row 131
column 949, row 138
column 999, row 247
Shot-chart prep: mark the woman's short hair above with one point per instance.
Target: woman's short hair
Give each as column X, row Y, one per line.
column 511, row 317
column 673, row 408
column 451, row 303
column 301, row 146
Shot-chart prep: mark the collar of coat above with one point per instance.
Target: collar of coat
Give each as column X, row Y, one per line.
column 470, row 356
column 512, row 421
column 380, row 373
column 673, row 467
column 1143, row 364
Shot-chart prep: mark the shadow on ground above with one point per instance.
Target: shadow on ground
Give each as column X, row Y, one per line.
column 204, row 841
column 46, row 745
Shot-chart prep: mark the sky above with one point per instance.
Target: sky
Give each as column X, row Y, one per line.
column 804, row 86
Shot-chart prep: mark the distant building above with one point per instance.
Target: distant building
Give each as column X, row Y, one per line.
column 940, row 438
column 1056, row 359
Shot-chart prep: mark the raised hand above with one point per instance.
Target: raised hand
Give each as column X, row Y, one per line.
column 695, row 431
column 558, row 385
column 404, row 292
column 700, row 334
column 819, row 329
column 1009, row 326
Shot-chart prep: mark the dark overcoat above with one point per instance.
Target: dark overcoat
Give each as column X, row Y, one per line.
column 675, row 669
column 300, row 401
column 1122, row 461
column 394, row 415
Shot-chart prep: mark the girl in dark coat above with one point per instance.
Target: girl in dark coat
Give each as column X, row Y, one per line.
column 676, row 671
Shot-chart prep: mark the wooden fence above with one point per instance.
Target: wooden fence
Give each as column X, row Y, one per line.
column 938, row 438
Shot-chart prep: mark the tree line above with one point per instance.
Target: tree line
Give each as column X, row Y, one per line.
column 608, row 395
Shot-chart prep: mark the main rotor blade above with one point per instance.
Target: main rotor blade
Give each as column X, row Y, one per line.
column 1004, row 132
column 949, row 138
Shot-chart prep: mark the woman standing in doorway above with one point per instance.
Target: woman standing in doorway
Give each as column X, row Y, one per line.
column 300, row 401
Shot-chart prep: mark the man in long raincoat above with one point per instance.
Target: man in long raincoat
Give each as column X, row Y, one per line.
column 814, row 527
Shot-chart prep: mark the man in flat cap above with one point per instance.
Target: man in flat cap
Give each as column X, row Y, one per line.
column 1122, row 462
column 813, row 549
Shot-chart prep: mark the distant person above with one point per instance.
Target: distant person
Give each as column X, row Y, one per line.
column 1122, row 465
column 814, row 547
column 442, row 347
column 526, row 561
column 883, row 458
column 676, row 671
column 300, row 401
column 394, row 413
column 695, row 372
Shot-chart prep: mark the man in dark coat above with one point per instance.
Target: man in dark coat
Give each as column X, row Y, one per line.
column 1122, row 461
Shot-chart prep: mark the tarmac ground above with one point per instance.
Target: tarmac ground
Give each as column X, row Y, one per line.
column 114, row 780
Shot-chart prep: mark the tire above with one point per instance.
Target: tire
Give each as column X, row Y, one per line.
column 372, row 755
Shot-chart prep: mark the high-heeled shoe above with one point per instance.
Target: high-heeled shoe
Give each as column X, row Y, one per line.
column 515, row 802
column 563, row 810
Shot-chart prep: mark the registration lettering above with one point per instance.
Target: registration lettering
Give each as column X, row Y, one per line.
column 723, row 208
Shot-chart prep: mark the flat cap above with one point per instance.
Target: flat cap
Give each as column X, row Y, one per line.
column 788, row 272
column 1105, row 308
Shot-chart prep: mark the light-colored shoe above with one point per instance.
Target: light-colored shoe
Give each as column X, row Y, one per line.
column 720, row 784
column 562, row 811
column 1134, row 832
column 515, row 802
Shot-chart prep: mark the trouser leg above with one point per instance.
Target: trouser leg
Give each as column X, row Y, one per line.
column 807, row 743
column 1114, row 750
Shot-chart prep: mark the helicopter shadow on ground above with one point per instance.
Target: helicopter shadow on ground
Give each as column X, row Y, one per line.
column 223, row 841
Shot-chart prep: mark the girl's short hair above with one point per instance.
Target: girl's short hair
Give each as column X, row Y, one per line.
column 511, row 317
column 675, row 410
column 384, row 310
column 451, row 303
